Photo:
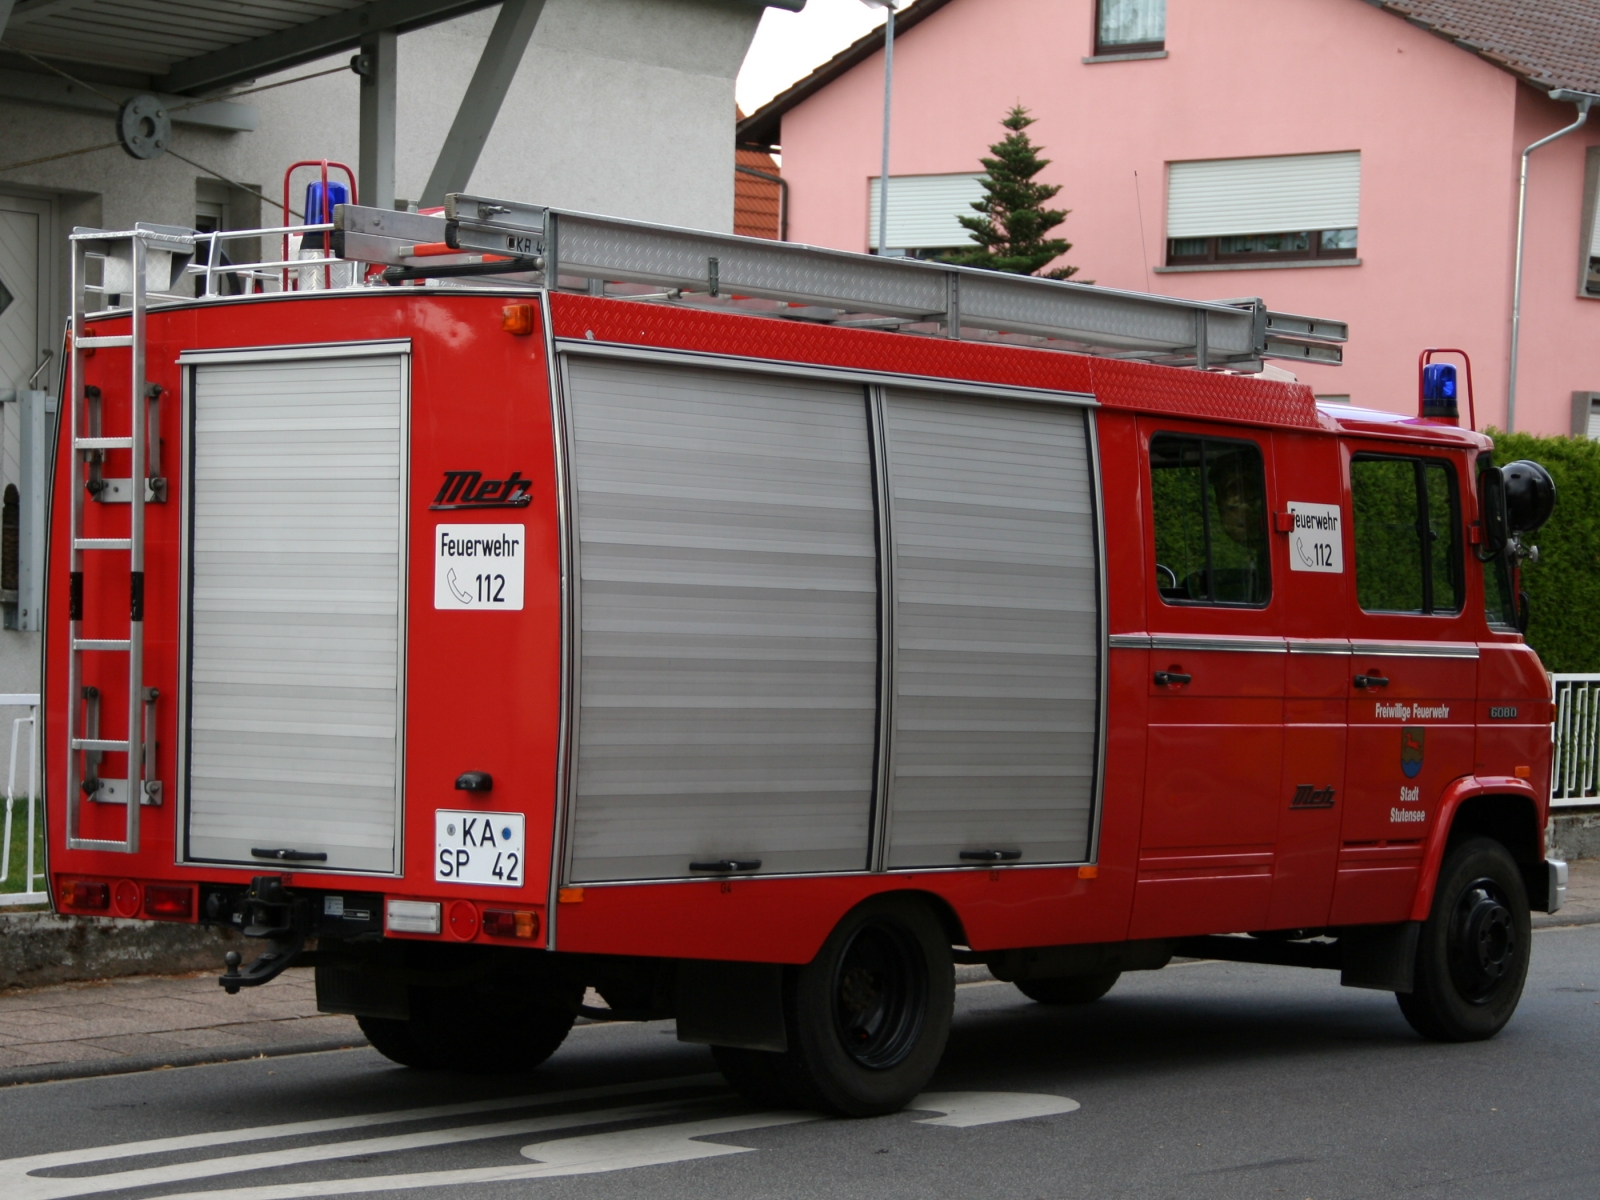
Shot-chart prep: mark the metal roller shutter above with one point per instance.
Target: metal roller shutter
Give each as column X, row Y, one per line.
column 996, row 630
column 1283, row 194
column 294, row 684
column 728, row 599
column 923, row 210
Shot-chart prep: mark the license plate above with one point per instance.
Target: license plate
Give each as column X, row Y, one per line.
column 478, row 847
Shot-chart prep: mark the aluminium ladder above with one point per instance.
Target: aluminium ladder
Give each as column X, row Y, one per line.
column 480, row 237
column 129, row 261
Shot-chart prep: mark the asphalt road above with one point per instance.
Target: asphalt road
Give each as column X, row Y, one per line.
column 1202, row 1080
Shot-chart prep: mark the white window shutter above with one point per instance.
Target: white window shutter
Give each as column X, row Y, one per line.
column 923, row 210
column 1283, row 194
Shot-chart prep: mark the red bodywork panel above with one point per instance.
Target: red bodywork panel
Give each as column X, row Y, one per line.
column 1197, row 834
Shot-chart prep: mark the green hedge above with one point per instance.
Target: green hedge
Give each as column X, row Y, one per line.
column 1564, row 585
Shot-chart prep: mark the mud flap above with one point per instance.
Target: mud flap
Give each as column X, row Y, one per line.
column 1381, row 957
column 731, row 1004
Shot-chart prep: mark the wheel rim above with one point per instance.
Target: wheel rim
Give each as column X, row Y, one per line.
column 1483, row 946
column 880, row 993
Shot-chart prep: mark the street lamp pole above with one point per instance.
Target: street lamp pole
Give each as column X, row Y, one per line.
column 888, row 94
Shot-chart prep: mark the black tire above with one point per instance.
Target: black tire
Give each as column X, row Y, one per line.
column 1472, row 953
column 1076, row 989
column 869, row 1016
column 756, row 1075
column 493, row 1027
column 392, row 1039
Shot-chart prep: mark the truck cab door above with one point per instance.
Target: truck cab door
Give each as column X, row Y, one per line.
column 1215, row 744
column 1413, row 672
column 1309, row 521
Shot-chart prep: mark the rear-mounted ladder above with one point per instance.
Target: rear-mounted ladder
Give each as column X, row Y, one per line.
column 148, row 258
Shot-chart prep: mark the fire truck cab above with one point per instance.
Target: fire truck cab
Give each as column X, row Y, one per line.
column 513, row 603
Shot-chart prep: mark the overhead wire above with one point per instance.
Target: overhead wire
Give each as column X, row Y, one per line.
column 88, row 87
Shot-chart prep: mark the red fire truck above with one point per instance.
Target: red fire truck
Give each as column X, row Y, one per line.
column 515, row 602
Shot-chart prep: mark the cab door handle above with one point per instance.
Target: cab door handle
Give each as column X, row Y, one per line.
column 1372, row 681
column 1167, row 678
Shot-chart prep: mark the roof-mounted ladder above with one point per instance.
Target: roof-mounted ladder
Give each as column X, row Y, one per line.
column 130, row 263
column 485, row 237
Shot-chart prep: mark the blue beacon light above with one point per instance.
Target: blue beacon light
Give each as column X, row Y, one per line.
column 1439, row 391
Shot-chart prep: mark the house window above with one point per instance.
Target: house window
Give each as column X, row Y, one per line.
column 1130, row 26
column 1243, row 210
column 923, row 211
column 1591, row 226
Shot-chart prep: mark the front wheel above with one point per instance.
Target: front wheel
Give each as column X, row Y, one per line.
column 1472, row 954
column 867, row 1019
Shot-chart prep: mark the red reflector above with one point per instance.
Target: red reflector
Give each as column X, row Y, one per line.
column 511, row 924
column 126, row 896
column 82, row 894
column 168, row 900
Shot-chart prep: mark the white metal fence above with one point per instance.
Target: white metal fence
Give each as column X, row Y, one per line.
column 31, row 872
column 1575, row 768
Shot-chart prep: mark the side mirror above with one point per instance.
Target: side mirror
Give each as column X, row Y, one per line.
column 1492, row 510
column 1530, row 496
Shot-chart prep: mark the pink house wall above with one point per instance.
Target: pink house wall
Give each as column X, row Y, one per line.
column 1439, row 131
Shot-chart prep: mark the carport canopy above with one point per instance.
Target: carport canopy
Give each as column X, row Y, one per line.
column 195, row 47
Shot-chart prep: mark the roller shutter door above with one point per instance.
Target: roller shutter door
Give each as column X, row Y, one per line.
column 996, row 631
column 728, row 621
column 294, row 680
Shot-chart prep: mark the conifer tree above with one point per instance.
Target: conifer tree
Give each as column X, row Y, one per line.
column 1010, row 232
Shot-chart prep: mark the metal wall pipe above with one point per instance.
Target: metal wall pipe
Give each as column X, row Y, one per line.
column 1583, row 100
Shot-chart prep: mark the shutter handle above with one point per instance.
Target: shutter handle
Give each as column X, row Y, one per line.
column 1372, row 681
column 1172, row 678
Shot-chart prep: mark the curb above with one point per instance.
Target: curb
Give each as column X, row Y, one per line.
column 134, row 1064
column 1557, row 921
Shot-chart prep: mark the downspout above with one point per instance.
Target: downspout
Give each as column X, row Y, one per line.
column 783, row 196
column 1583, row 100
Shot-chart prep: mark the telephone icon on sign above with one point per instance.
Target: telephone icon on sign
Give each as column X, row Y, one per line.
column 464, row 597
column 1300, row 549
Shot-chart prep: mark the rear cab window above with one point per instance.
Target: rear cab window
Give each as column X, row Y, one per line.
column 1209, row 506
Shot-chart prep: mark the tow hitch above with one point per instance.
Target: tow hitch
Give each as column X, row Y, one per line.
column 270, row 911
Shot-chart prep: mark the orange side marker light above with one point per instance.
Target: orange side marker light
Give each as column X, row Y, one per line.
column 1522, row 772
column 1088, row 872
column 517, row 319
column 569, row 896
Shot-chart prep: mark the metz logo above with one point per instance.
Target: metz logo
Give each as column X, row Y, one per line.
column 1307, row 796
column 469, row 489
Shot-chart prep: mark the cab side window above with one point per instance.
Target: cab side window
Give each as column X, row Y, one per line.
column 1408, row 552
column 1209, row 498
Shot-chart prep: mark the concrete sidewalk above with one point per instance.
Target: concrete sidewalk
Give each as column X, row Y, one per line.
column 138, row 1024
column 121, row 1025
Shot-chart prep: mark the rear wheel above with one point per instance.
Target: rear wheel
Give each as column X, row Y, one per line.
column 492, row 1027
column 1076, row 989
column 867, row 1019
column 1472, row 954
column 392, row 1039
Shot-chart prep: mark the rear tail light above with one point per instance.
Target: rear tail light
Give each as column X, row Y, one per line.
column 174, row 902
column 413, row 916
column 498, row 923
column 85, row 895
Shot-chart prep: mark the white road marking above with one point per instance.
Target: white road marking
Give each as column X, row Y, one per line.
column 18, row 1183
column 614, row 1150
column 963, row 1110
